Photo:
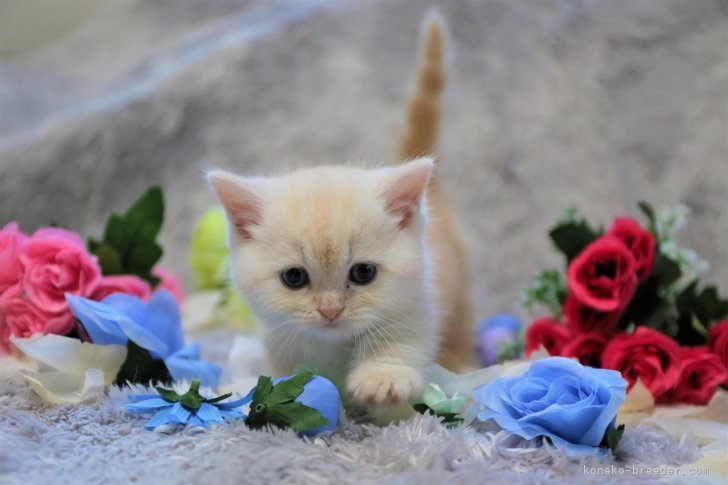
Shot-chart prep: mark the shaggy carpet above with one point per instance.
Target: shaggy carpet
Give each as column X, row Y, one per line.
column 100, row 443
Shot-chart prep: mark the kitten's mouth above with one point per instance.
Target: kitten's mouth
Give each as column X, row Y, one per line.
column 332, row 329
column 329, row 324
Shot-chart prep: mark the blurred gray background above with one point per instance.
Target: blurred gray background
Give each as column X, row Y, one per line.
column 551, row 103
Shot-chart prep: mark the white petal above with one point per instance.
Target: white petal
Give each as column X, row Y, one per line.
column 71, row 356
column 57, row 388
column 199, row 309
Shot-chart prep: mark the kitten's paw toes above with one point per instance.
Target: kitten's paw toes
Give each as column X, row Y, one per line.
column 384, row 383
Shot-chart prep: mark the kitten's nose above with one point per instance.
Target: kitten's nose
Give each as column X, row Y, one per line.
column 330, row 312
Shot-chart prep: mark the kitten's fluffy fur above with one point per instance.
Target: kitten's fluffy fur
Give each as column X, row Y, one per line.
column 327, row 219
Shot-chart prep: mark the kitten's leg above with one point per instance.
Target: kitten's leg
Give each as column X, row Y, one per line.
column 378, row 382
column 389, row 370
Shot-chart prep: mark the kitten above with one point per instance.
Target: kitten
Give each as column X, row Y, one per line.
column 348, row 268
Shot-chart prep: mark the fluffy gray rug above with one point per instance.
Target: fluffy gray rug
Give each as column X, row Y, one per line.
column 101, row 443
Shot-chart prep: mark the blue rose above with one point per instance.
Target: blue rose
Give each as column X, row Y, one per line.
column 321, row 394
column 499, row 338
column 557, row 398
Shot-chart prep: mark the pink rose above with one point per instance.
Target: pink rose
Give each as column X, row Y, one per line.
column 5, row 346
column 169, row 282
column 10, row 270
column 129, row 284
column 20, row 317
column 55, row 262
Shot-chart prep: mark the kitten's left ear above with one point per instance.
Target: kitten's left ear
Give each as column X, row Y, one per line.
column 244, row 208
column 404, row 189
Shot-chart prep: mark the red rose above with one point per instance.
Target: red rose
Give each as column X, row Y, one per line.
column 701, row 373
column 718, row 341
column 587, row 347
column 546, row 332
column 647, row 354
column 603, row 276
column 638, row 240
column 583, row 319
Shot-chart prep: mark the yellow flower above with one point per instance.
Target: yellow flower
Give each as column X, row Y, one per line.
column 208, row 254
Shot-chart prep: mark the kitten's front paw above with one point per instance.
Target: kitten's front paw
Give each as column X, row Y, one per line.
column 375, row 383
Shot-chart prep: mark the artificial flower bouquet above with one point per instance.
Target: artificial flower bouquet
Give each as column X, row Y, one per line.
column 632, row 301
column 95, row 314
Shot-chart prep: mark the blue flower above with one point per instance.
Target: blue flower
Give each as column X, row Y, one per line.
column 201, row 413
column 319, row 393
column 557, row 398
column 155, row 326
column 499, row 337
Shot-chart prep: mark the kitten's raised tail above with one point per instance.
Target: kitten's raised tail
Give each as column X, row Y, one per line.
column 424, row 108
column 450, row 261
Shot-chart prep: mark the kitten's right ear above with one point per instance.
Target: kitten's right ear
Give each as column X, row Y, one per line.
column 243, row 207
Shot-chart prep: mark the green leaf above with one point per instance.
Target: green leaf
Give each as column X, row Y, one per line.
column 667, row 270
column 511, row 350
column 129, row 245
column 141, row 368
column 614, row 436
column 288, row 390
column 192, row 399
column 572, row 237
column 645, row 303
column 142, row 256
column 421, row 408
column 168, row 394
column 108, row 259
column 686, row 297
column 707, row 305
column 147, row 213
column 448, row 419
column 546, row 288
column 115, row 233
column 649, row 212
column 698, row 326
column 93, row 245
column 262, row 390
column 710, row 305
column 296, row 416
column 258, row 415
column 218, row 398
column 275, row 405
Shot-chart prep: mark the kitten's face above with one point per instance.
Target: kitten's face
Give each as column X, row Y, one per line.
column 329, row 251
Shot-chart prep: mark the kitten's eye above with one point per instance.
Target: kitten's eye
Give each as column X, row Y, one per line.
column 294, row 278
column 362, row 273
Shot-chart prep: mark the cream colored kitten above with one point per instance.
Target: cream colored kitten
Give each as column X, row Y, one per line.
column 335, row 260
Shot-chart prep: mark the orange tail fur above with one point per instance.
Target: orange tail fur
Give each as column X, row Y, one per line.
column 424, row 106
column 421, row 136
